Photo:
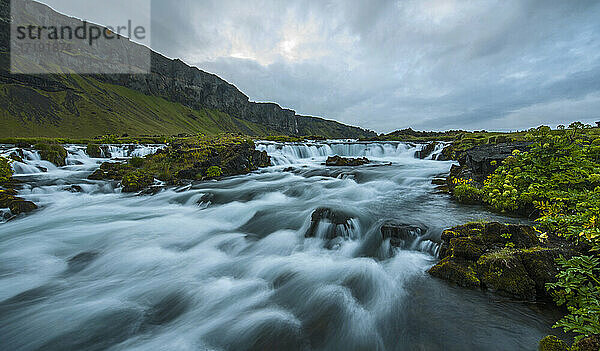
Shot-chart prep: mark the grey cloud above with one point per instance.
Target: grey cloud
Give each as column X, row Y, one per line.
column 387, row 65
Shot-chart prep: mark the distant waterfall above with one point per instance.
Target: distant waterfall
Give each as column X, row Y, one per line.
column 290, row 153
column 76, row 156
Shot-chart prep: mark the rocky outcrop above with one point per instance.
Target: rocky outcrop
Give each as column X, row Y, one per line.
column 482, row 160
column 54, row 153
column 17, row 205
column 426, row 151
column 507, row 259
column 93, row 150
column 186, row 160
column 329, row 223
column 346, row 161
column 402, row 235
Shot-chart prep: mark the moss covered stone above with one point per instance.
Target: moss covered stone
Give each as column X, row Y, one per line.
column 504, row 273
column 193, row 158
column 136, row 181
column 18, row 206
column 54, row 153
column 5, row 170
column 456, row 272
column 508, row 259
column 552, row 343
column 590, row 343
column 467, row 248
column 93, row 150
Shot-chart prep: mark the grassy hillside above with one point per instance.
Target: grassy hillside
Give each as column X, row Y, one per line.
column 90, row 108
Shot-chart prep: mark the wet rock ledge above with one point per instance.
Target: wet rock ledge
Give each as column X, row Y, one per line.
column 8, row 193
column 195, row 158
column 507, row 259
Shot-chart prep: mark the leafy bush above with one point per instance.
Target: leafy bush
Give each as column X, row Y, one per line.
column 578, row 288
column 5, row 170
column 466, row 193
column 558, row 180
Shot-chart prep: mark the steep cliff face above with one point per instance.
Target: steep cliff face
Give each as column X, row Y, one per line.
column 173, row 81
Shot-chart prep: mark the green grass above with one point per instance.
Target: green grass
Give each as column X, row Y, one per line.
column 91, row 108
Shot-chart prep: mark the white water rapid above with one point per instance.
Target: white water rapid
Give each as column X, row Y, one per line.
column 228, row 265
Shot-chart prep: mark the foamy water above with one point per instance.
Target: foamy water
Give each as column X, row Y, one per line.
column 225, row 265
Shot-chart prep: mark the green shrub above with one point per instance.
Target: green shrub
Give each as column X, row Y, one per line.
column 559, row 178
column 578, row 288
column 467, row 194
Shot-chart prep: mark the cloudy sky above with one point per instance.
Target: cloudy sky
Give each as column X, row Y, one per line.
column 386, row 65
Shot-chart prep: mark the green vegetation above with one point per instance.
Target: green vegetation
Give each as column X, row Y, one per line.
column 88, row 107
column 558, row 180
column 5, row 170
column 187, row 158
column 214, row 171
column 93, row 150
column 54, row 153
column 578, row 288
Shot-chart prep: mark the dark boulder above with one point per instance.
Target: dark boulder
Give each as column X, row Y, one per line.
column 54, row 153
column 426, row 151
column 482, row 160
column 507, row 259
column 332, row 222
column 18, row 206
column 346, row 161
column 93, row 150
column 402, row 235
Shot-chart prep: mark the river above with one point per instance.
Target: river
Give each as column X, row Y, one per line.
column 225, row 265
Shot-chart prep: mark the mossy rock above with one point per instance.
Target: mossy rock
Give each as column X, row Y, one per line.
column 504, row 273
column 93, row 150
column 18, row 206
column 5, row 170
column 541, row 265
column 136, row 181
column 459, row 273
column 518, row 235
column 468, row 229
column 54, row 153
column 552, row 343
column 6, row 198
column 590, row 343
column 468, row 248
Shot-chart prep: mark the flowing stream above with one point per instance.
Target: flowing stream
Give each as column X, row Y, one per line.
column 225, row 265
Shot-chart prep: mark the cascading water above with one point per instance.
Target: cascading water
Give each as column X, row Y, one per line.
column 290, row 153
column 286, row 258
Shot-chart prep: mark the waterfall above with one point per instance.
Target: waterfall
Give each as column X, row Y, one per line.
column 77, row 158
column 291, row 153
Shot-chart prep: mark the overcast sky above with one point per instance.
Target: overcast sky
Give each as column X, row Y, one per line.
column 386, row 65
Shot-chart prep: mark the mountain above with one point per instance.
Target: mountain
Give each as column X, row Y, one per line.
column 173, row 98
